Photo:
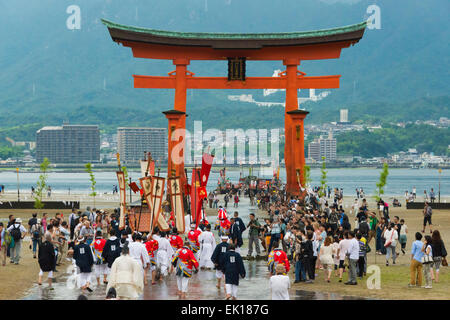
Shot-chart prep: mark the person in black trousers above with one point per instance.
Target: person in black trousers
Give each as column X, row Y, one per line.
column 308, row 257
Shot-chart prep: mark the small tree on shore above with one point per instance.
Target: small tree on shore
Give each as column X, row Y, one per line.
column 379, row 191
column 323, row 179
column 41, row 184
column 92, row 179
column 306, row 175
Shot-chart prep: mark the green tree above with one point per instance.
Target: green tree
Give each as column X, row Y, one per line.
column 323, row 179
column 307, row 175
column 41, row 184
column 379, row 191
column 92, row 179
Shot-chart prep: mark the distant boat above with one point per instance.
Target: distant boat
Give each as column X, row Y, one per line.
column 415, row 166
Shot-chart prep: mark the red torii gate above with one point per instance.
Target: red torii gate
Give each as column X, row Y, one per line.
column 290, row 48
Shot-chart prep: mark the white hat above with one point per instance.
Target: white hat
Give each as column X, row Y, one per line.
column 18, row 220
column 224, row 237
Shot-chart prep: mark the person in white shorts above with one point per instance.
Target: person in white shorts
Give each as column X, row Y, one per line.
column 217, row 258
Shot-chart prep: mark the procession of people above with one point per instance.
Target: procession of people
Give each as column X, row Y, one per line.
column 299, row 237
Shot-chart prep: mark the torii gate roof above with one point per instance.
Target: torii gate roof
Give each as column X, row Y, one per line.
column 240, row 41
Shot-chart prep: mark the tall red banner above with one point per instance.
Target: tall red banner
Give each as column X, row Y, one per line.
column 207, row 161
column 196, row 205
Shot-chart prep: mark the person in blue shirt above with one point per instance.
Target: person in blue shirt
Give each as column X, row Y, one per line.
column 416, row 261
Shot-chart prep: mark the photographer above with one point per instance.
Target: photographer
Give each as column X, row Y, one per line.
column 253, row 235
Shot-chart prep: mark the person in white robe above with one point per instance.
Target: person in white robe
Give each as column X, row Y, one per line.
column 139, row 253
column 156, row 234
column 126, row 276
column 164, row 254
column 207, row 246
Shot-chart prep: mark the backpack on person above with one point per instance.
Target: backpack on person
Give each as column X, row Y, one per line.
column 16, row 234
column 35, row 231
column 333, row 218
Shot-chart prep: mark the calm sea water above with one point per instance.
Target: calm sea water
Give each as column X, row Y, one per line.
column 398, row 181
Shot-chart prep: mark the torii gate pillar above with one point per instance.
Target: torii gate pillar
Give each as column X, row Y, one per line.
column 296, row 152
column 176, row 137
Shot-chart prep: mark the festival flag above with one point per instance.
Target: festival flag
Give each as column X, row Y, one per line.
column 155, row 202
column 123, row 196
column 196, row 204
column 202, row 193
column 134, row 187
column 153, row 192
column 145, row 167
column 207, row 161
column 162, row 223
column 176, row 201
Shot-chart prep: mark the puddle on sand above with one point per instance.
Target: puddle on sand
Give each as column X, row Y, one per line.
column 202, row 286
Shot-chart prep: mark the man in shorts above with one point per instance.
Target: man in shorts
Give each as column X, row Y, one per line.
column 218, row 259
column 427, row 212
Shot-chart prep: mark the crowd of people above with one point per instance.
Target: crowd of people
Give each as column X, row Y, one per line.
column 411, row 196
column 317, row 234
column 298, row 236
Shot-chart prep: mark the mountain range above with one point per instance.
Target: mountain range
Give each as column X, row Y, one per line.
column 51, row 74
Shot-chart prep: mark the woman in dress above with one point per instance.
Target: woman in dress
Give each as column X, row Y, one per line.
column 439, row 252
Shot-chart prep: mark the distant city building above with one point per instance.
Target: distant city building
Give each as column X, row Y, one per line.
column 133, row 142
column 323, row 147
column 314, row 150
column 343, row 116
column 68, row 144
column 28, row 144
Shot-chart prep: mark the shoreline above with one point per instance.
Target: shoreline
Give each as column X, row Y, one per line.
column 215, row 168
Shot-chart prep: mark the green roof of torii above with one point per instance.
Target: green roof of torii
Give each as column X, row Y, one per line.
column 238, row 36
